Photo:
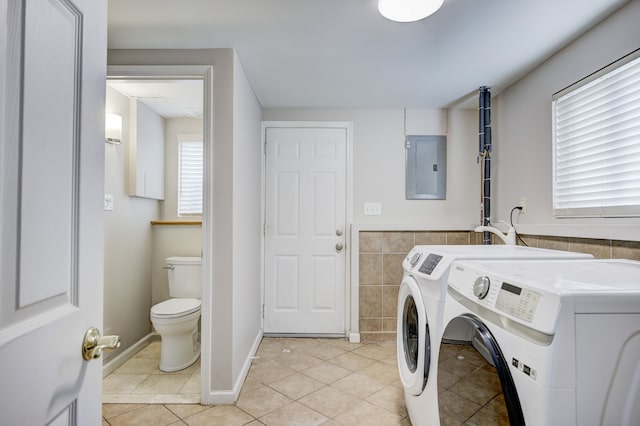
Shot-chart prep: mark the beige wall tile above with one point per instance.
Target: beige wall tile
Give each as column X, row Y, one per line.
column 370, row 242
column 458, row 238
column 553, row 243
column 431, row 238
column 392, row 268
column 600, row 249
column 397, row 242
column 475, row 238
column 625, row 250
column 390, row 300
column 370, row 269
column 370, row 301
column 389, row 324
column 377, row 337
column 370, row 324
column 530, row 240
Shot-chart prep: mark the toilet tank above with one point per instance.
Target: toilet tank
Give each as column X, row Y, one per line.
column 185, row 276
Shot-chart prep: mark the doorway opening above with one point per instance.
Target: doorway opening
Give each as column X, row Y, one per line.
column 161, row 107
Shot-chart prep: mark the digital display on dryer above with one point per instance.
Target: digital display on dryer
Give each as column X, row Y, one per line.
column 430, row 263
column 511, row 288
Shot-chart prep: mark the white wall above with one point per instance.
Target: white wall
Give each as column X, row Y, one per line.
column 128, row 239
column 173, row 240
column 174, row 127
column 522, row 131
column 247, row 190
column 167, row 241
column 379, row 164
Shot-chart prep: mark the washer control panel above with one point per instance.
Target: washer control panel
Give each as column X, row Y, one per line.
column 430, row 263
column 517, row 301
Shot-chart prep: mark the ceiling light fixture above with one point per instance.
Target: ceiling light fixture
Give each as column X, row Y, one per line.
column 408, row 10
column 113, row 129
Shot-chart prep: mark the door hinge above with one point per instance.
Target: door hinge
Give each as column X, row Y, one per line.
column 263, row 310
column 264, row 229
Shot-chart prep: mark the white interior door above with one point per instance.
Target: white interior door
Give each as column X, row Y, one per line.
column 305, row 230
column 53, row 55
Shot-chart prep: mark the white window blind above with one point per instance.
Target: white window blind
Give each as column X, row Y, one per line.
column 596, row 144
column 190, row 166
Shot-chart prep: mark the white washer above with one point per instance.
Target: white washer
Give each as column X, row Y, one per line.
column 563, row 335
column 421, row 302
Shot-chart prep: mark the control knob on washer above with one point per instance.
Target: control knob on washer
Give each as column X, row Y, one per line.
column 481, row 287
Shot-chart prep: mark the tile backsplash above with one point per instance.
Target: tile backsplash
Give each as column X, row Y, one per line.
column 380, row 267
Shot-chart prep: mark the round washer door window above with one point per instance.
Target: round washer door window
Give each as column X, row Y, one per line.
column 413, row 339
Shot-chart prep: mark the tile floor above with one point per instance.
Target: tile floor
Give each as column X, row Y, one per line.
column 299, row 381
column 140, row 381
column 308, row 381
column 469, row 389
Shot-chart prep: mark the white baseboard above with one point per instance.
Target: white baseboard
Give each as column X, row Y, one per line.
column 354, row 337
column 231, row 396
column 110, row 366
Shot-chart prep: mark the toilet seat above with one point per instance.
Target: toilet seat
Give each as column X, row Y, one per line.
column 175, row 308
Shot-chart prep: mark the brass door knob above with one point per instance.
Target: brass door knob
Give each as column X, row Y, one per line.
column 93, row 343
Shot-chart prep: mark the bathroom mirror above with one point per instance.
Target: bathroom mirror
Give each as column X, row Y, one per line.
column 426, row 167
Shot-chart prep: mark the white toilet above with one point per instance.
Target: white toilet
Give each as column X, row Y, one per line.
column 176, row 319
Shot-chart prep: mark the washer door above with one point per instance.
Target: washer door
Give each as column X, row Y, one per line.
column 414, row 347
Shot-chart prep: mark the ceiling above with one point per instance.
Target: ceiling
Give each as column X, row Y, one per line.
column 168, row 98
column 343, row 54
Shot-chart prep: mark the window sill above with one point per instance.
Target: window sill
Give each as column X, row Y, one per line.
column 176, row 222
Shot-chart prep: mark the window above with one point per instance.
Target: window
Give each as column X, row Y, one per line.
column 190, row 166
column 596, row 143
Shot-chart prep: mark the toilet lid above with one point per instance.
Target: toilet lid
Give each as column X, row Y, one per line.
column 177, row 307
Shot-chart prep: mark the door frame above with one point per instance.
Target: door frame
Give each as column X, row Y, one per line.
column 348, row 126
column 205, row 73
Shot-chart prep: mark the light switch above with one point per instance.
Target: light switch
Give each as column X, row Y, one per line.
column 372, row 209
column 108, row 202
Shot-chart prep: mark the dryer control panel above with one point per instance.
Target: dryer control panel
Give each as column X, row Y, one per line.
column 517, row 301
column 533, row 306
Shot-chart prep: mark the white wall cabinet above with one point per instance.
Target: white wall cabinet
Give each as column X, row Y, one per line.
column 146, row 152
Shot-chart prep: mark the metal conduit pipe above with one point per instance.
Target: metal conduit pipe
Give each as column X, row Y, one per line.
column 485, row 154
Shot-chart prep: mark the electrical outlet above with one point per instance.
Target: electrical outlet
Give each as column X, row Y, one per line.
column 108, row 202
column 372, row 209
column 523, row 204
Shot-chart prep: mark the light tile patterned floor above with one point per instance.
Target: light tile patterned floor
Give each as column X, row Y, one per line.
column 293, row 381
column 139, row 380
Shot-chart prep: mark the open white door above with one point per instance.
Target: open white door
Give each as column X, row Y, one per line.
column 53, row 66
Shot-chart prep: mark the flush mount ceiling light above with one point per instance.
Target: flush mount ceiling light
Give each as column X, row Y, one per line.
column 408, row 10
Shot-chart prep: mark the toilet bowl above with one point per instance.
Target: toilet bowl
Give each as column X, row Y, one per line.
column 176, row 319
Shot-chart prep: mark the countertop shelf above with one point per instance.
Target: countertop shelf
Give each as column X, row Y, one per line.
column 176, row 222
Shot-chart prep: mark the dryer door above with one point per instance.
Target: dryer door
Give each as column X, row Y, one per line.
column 414, row 347
column 476, row 371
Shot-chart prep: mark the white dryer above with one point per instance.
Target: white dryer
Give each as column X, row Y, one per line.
column 421, row 302
column 563, row 336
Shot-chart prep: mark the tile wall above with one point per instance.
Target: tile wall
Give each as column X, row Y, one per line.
column 382, row 252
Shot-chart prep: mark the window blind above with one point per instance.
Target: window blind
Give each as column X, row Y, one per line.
column 596, row 137
column 190, row 178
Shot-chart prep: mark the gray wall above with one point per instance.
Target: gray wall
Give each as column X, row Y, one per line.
column 522, row 131
column 128, row 242
column 247, row 190
column 230, row 116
